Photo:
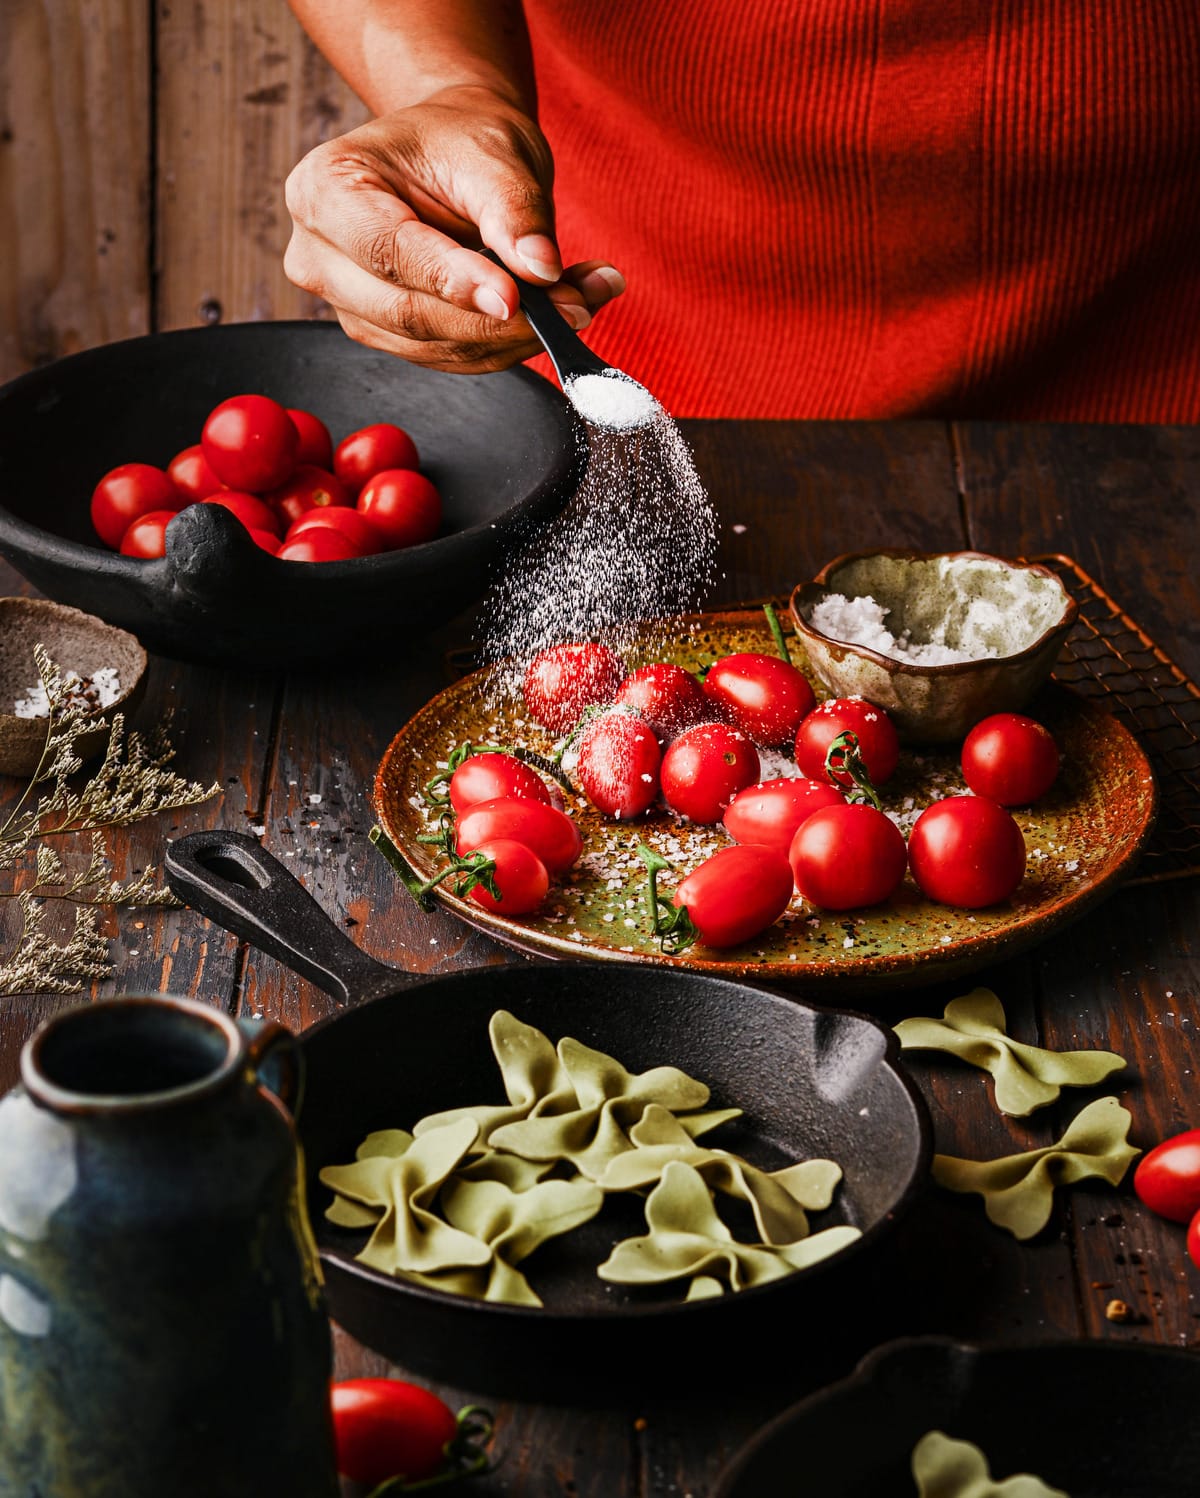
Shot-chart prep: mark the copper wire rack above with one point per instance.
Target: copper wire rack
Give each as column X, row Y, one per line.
column 1110, row 658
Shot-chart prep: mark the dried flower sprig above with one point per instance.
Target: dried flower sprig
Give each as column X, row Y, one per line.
column 133, row 782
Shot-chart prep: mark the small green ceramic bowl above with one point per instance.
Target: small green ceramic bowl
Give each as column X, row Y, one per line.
column 1014, row 614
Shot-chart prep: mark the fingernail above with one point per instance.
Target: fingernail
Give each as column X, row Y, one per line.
column 578, row 317
column 603, row 283
column 491, row 303
column 540, row 255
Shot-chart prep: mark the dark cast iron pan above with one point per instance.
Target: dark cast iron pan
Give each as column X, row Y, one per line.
column 503, row 449
column 811, row 1081
column 1095, row 1419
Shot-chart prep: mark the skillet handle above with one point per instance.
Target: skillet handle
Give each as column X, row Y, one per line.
column 234, row 881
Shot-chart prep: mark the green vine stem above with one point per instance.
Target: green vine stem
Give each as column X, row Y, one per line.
column 777, row 632
column 673, row 926
column 472, row 871
column 465, row 1453
column 843, row 758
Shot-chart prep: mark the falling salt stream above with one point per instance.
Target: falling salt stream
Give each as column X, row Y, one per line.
column 637, row 542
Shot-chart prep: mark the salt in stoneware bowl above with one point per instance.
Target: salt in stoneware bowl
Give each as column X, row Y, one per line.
column 504, row 451
column 1014, row 614
column 76, row 642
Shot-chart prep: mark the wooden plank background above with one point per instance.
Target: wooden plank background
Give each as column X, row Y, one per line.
column 143, row 151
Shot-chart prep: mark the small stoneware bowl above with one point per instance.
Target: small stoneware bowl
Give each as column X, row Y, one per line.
column 1015, row 615
column 76, row 642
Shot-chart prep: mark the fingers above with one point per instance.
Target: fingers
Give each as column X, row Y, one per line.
column 597, row 281
column 455, row 356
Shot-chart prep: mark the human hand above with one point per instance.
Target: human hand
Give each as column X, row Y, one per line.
column 382, row 218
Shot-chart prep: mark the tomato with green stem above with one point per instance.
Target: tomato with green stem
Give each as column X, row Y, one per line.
column 874, row 731
column 519, row 879
column 735, row 894
column 386, row 1429
column 492, row 776
column 550, row 833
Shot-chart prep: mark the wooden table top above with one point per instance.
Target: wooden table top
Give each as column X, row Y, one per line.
column 1123, row 501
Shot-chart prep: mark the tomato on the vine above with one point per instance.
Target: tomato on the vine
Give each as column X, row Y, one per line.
column 386, row 1428
column 877, row 742
column 191, row 475
column 618, row 764
column 315, row 445
column 520, row 877
column 550, row 833
column 371, row 450
column 491, row 777
column 735, row 894
column 844, row 857
column 306, row 489
column 128, row 492
column 763, row 695
column 564, row 679
column 250, row 443
column 966, row 851
column 1010, row 758
column 705, row 768
column 1167, row 1179
column 147, row 536
column 768, row 814
column 668, row 697
column 403, row 505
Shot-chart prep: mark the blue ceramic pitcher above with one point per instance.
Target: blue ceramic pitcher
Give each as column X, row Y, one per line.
column 161, row 1325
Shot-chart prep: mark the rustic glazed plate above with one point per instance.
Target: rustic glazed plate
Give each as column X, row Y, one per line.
column 1080, row 839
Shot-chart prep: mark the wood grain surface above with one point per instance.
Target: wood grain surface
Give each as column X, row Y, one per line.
column 296, row 755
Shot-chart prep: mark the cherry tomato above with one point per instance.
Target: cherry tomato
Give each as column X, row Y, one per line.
column 491, row 777
column 318, row 544
column 269, row 542
column 736, row 893
column 386, row 1428
column 844, row 857
column 147, row 536
column 520, row 875
column 877, row 741
column 705, row 768
column 762, row 695
column 564, row 679
column 966, row 851
column 191, row 475
column 1010, row 758
column 359, row 531
column 618, row 764
column 250, row 443
column 315, row 445
column 372, row 450
column 254, row 513
column 308, row 488
column 403, row 505
column 668, row 697
column 550, row 833
column 1168, row 1178
column 768, row 814
column 1193, row 1240
column 126, row 493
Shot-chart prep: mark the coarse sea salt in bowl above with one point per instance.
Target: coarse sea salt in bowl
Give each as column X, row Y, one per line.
column 938, row 639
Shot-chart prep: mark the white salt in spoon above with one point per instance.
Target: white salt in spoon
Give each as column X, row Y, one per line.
column 602, row 395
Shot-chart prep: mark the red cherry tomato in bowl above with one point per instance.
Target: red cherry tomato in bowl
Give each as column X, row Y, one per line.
column 147, row 536
column 564, row 679
column 318, row 544
column 372, row 450
column 844, row 857
column 307, row 488
column 253, row 512
column 127, row 493
column 492, row 777
column 361, row 534
column 386, row 1428
column 315, row 445
column 668, row 697
column 1010, row 759
column 966, row 851
column 550, row 833
column 705, row 768
column 768, row 814
column 876, row 734
column 735, row 894
column 191, row 475
column 1193, row 1240
column 763, row 695
column 266, row 541
column 618, row 764
column 520, row 877
column 403, row 506
column 250, row 443
column 1167, row 1179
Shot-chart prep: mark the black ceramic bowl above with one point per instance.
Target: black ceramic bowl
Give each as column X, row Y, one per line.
column 502, row 448
column 1096, row 1419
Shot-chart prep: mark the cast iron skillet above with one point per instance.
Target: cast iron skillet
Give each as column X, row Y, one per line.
column 1096, row 1419
column 812, row 1082
column 503, row 449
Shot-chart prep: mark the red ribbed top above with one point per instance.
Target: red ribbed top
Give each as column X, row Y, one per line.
column 879, row 208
